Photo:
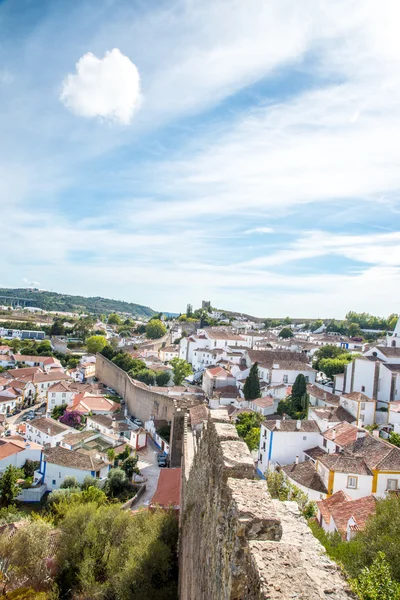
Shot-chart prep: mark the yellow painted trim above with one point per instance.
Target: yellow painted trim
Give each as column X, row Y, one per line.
column 388, row 472
column 331, row 479
column 374, row 481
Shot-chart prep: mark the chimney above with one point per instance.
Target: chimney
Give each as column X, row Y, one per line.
column 297, row 459
column 333, row 435
column 278, row 424
column 359, row 423
column 375, row 433
column 27, row 446
column 114, row 423
column 298, row 425
column 48, row 431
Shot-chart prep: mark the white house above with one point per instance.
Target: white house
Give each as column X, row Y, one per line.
column 168, row 353
column 330, row 416
column 264, row 406
column 345, row 515
column 6, row 360
column 111, row 425
column 60, row 393
column 304, row 476
column 46, row 431
column 216, row 377
column 281, row 441
column 58, row 463
column 17, row 452
column 360, row 406
column 278, row 366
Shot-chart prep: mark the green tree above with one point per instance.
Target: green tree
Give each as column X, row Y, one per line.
column 146, row 376
column 328, row 351
column 114, row 319
column 90, row 481
column 58, row 411
column 375, row 582
column 108, row 352
column 155, row 329
column 8, row 485
column 248, row 428
column 111, row 455
column 286, row 333
column 124, row 361
column 130, row 466
column 27, row 553
column 181, row 369
column 96, row 343
column 316, row 325
column 353, row 330
column 57, row 327
column 163, row 378
column 251, row 388
column 394, row 438
column 252, row 439
column 30, row 466
column 69, row 482
column 334, row 366
column 116, row 483
column 44, row 348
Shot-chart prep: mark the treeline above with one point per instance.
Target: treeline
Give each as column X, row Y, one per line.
column 67, row 303
column 84, row 546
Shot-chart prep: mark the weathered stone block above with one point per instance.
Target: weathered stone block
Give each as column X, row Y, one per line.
column 237, row 459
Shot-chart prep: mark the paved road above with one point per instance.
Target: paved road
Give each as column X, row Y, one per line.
column 14, row 420
column 149, row 468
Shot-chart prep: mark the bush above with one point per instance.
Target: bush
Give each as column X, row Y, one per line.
column 69, row 482
column 279, row 487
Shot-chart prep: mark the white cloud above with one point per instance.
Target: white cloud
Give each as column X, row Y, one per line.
column 108, row 88
column 260, row 230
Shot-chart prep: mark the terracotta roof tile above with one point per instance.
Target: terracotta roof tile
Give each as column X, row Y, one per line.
column 305, row 474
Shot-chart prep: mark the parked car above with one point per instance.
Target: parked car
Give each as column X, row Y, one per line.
column 162, row 460
column 138, row 422
column 8, row 433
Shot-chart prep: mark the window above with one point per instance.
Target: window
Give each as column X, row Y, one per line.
column 59, row 474
column 352, row 482
column 363, row 388
column 263, row 446
column 261, row 457
column 307, row 379
column 337, row 449
column 392, row 484
column 304, row 437
column 64, row 395
column 362, row 405
column 53, row 394
column 285, row 379
column 53, row 482
column 324, row 443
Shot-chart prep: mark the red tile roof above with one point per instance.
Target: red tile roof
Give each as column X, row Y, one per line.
column 168, row 492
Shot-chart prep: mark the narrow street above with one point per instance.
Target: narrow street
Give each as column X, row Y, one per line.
column 150, row 470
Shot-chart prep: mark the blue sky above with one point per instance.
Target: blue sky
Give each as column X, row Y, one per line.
column 167, row 152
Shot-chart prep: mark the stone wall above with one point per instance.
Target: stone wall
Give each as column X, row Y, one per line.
column 143, row 403
column 236, row 542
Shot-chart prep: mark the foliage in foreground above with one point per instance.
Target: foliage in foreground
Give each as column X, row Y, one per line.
column 248, row 428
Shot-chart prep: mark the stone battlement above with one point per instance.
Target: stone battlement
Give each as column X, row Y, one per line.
column 236, row 542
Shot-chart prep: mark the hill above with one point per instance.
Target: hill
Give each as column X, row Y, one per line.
column 65, row 302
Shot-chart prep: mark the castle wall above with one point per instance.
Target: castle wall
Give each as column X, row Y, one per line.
column 236, row 542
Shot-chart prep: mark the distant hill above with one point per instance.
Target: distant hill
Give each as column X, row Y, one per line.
column 67, row 303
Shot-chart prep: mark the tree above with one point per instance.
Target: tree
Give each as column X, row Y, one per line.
column 146, row 376
column 114, row 319
column 353, row 330
column 328, row 351
column 246, row 423
column 334, row 366
column 286, row 333
column 29, row 467
column 69, row 482
column 181, row 369
column 44, row 347
column 299, row 397
column 155, row 329
column 375, row 582
column 281, row 489
column 90, row 481
column 27, row 553
column 116, row 483
column 71, row 418
column 8, row 485
column 251, row 388
column 108, row 352
column 57, row 327
column 163, row 378
column 394, row 438
column 103, row 552
column 252, row 439
column 316, row 325
column 124, row 361
column 111, row 454
column 129, row 466
column 96, row 343
column 58, row 411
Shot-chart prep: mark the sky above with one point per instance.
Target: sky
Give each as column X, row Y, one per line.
column 245, row 152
